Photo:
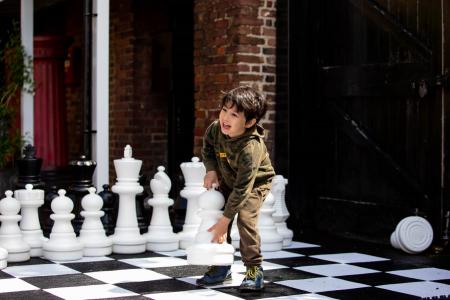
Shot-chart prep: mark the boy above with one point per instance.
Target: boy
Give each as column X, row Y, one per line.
column 236, row 160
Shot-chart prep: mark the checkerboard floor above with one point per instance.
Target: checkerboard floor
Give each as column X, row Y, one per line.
column 305, row 270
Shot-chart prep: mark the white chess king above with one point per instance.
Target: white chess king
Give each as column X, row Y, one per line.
column 127, row 238
column 203, row 251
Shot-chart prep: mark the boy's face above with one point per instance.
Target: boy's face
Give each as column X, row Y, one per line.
column 233, row 122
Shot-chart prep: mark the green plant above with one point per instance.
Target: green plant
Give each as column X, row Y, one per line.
column 16, row 74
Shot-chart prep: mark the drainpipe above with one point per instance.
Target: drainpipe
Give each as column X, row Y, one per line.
column 87, row 91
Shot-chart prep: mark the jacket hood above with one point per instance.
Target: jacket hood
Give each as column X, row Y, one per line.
column 256, row 131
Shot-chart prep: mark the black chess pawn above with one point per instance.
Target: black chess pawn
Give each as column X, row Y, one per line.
column 142, row 216
column 81, row 171
column 110, row 207
column 29, row 169
column 46, row 210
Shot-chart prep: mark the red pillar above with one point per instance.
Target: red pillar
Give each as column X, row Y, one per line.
column 49, row 101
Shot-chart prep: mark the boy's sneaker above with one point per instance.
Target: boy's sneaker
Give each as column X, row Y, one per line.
column 215, row 275
column 254, row 279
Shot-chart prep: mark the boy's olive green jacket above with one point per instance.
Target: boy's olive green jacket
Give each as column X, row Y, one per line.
column 242, row 163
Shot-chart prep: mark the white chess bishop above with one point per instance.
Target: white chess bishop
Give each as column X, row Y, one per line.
column 63, row 244
column 160, row 235
column 281, row 212
column 92, row 234
column 30, row 200
column 193, row 173
column 203, row 251
column 271, row 240
column 127, row 238
column 11, row 237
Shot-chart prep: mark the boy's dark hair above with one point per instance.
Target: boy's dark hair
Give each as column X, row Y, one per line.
column 247, row 99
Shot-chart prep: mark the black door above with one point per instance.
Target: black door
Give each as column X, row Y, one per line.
column 368, row 109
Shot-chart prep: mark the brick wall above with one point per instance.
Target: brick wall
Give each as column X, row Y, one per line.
column 139, row 82
column 234, row 44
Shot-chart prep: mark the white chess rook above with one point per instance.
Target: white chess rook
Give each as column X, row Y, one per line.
column 281, row 212
column 160, row 235
column 194, row 173
column 92, row 234
column 30, row 200
column 63, row 244
column 203, row 251
column 271, row 240
column 10, row 235
column 127, row 238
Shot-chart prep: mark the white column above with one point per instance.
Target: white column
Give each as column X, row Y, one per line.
column 27, row 99
column 100, row 91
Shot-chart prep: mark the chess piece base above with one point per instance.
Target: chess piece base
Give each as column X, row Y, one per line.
column 285, row 232
column 34, row 238
column 210, row 254
column 99, row 251
column 63, row 255
column 128, row 241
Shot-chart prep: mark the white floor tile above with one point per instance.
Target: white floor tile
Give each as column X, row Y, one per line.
column 336, row 270
column 85, row 259
column 155, row 262
column 39, row 270
column 424, row 273
column 127, row 275
column 351, row 257
column 179, row 252
column 296, row 245
column 276, row 254
column 321, row 284
column 15, row 285
column 238, row 266
column 99, row 291
column 193, row 295
column 424, row 289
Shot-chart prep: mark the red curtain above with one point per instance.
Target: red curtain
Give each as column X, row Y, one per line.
column 49, row 101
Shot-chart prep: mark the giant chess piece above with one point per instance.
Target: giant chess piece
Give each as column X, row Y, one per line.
column 81, row 171
column 29, row 169
column 160, row 236
column 127, row 238
column 92, row 234
column 193, row 173
column 110, row 207
column 281, row 212
column 203, row 251
column 11, row 237
column 30, row 200
column 271, row 240
column 63, row 244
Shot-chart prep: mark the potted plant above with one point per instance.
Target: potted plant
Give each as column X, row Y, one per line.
column 16, row 74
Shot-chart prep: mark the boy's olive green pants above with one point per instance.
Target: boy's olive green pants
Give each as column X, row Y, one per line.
column 247, row 224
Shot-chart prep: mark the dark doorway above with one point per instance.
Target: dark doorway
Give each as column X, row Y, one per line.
column 366, row 90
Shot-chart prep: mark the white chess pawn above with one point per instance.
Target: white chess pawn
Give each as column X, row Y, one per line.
column 63, row 244
column 127, row 238
column 193, row 173
column 92, row 234
column 3, row 258
column 271, row 240
column 203, row 251
column 11, row 237
column 30, row 200
column 281, row 212
column 160, row 236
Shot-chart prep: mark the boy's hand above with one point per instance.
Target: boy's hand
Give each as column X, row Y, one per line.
column 210, row 179
column 220, row 230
